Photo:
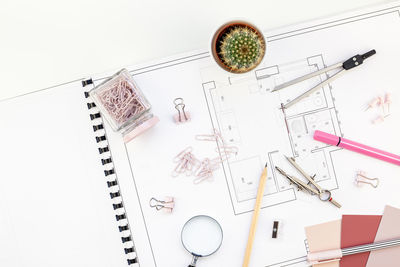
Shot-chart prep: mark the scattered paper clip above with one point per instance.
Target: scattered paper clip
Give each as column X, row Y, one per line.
column 187, row 163
column 222, row 148
column 227, row 151
column 215, row 136
column 205, row 172
column 203, row 169
column 361, row 178
column 167, row 204
column 182, row 116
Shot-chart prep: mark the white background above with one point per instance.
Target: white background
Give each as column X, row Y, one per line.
column 48, row 42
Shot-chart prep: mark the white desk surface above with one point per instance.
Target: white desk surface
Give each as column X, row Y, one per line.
column 45, row 42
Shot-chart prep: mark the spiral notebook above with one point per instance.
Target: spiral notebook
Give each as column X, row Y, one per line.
column 73, row 194
column 59, row 196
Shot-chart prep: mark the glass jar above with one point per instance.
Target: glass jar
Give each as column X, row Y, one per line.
column 124, row 105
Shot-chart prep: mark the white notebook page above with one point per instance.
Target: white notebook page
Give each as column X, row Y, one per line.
column 54, row 201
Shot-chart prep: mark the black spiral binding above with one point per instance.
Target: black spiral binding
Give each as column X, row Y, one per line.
column 111, row 177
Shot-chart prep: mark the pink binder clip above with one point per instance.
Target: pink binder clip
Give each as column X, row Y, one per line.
column 362, row 178
column 167, row 204
column 182, row 116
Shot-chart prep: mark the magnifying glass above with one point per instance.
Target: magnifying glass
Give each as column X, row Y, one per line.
column 201, row 236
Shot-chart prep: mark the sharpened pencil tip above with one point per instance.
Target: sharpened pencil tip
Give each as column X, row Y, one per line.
column 266, row 163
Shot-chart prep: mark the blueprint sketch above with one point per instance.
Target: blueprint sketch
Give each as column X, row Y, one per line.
column 249, row 116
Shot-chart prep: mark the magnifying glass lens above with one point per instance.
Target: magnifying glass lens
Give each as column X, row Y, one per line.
column 325, row 195
column 202, row 236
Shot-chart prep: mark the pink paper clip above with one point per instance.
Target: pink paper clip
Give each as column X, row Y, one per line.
column 227, row 151
column 182, row 154
column 207, row 169
column 203, row 170
column 167, row 204
column 206, row 137
column 215, row 136
column 187, row 163
column 222, row 148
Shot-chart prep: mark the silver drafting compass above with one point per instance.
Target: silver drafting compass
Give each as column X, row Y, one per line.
column 352, row 62
column 311, row 187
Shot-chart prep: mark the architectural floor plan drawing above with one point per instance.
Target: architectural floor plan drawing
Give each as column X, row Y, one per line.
column 249, row 116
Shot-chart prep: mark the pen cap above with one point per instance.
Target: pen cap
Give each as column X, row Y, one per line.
column 326, row 138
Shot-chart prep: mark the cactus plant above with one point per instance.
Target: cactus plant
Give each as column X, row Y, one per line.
column 241, row 48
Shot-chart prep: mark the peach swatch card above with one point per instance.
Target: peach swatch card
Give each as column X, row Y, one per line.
column 324, row 236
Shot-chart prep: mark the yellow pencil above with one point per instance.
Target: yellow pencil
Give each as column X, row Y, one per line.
column 254, row 220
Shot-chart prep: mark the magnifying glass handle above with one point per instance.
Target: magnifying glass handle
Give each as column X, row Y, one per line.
column 194, row 261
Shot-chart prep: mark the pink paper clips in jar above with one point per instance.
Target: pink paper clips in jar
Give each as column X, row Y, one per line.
column 124, row 105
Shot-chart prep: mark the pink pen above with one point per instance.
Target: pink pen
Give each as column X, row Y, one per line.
column 357, row 147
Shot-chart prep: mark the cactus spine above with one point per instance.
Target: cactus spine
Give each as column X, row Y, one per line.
column 241, row 49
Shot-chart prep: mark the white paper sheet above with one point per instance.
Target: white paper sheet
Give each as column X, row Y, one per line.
column 54, row 200
column 247, row 114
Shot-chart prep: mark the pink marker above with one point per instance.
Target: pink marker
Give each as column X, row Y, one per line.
column 357, row 147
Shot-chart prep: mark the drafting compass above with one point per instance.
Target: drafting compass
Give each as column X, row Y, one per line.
column 352, row 62
column 311, row 187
